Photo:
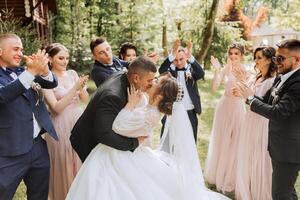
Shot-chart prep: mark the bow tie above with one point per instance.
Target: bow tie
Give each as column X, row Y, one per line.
column 16, row 70
column 182, row 69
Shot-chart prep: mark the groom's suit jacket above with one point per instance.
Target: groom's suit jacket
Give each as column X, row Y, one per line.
column 95, row 124
column 284, row 119
column 17, row 105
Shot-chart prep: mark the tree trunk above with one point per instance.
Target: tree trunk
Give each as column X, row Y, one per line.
column 208, row 32
column 72, row 11
column 78, row 33
column 91, row 14
column 118, row 11
column 164, row 38
column 132, row 9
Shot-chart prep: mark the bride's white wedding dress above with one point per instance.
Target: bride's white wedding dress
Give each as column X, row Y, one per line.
column 172, row 172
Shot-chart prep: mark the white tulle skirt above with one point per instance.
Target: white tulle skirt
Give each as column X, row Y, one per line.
column 110, row 174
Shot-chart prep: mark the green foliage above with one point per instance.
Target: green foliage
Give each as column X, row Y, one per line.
column 288, row 16
column 140, row 22
column 225, row 34
column 10, row 24
column 71, row 28
column 193, row 29
column 282, row 13
column 119, row 21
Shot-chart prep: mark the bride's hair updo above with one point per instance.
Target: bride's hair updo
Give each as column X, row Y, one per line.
column 169, row 90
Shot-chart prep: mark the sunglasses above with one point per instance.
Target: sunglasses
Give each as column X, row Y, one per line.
column 280, row 59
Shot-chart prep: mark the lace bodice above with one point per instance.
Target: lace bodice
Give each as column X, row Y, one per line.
column 137, row 122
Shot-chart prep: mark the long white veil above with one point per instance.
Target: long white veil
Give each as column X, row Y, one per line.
column 178, row 142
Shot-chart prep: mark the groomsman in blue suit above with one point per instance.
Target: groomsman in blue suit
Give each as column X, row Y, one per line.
column 23, row 118
column 183, row 66
column 106, row 63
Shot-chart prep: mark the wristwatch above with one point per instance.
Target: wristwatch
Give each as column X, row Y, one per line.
column 250, row 99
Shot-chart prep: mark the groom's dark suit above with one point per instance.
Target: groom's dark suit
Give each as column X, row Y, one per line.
column 95, row 124
column 284, row 133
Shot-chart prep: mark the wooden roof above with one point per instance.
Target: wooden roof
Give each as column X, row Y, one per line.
column 19, row 7
column 52, row 5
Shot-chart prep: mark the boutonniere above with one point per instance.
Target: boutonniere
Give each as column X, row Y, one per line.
column 38, row 89
column 274, row 92
column 35, row 86
column 124, row 69
column 188, row 76
column 275, row 95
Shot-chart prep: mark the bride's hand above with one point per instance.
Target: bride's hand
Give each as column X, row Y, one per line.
column 134, row 97
column 141, row 139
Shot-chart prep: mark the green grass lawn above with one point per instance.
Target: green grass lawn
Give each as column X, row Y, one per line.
column 209, row 101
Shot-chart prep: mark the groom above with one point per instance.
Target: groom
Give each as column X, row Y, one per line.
column 95, row 124
column 281, row 105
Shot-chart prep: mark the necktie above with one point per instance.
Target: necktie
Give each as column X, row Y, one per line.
column 278, row 81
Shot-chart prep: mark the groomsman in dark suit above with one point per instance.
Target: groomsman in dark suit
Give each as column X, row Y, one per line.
column 105, row 63
column 95, row 124
column 183, row 66
column 23, row 118
column 281, row 105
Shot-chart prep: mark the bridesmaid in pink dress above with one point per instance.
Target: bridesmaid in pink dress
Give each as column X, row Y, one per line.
column 220, row 169
column 64, row 103
column 254, row 167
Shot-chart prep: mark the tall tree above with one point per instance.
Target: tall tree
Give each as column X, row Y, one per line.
column 208, row 32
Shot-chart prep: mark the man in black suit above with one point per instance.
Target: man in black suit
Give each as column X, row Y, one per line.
column 183, row 66
column 95, row 124
column 281, row 105
column 23, row 118
column 105, row 63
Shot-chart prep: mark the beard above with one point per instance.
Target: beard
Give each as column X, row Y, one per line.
column 284, row 69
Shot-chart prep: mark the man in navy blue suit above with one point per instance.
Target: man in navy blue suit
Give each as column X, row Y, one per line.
column 106, row 63
column 183, row 66
column 23, row 118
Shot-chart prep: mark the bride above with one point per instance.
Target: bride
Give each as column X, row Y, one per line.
column 171, row 172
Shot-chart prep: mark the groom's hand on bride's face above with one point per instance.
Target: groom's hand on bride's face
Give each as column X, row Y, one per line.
column 141, row 139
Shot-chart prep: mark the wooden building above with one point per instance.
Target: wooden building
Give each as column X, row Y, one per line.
column 36, row 11
column 267, row 35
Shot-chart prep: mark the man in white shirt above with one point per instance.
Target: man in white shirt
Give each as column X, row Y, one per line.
column 281, row 105
column 183, row 66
